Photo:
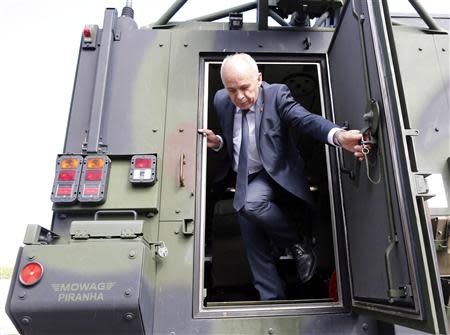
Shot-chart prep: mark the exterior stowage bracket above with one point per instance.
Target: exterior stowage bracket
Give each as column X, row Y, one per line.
column 125, row 229
column 411, row 132
column 421, row 184
column 36, row 234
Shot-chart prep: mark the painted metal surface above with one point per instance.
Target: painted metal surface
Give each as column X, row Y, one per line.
column 153, row 103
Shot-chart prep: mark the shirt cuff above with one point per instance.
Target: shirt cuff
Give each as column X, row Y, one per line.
column 330, row 137
column 221, row 144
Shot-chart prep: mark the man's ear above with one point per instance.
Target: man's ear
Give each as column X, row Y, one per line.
column 259, row 78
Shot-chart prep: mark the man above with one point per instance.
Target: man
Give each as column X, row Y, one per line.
column 254, row 118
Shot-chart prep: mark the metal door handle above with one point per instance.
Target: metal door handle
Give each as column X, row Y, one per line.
column 182, row 163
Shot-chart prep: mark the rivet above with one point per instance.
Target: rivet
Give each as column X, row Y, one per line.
column 161, row 45
column 128, row 316
column 26, row 320
column 127, row 292
column 192, row 194
column 436, row 129
column 31, row 257
column 443, row 49
column 22, row 295
column 154, row 130
column 172, row 333
column 260, row 45
column 180, row 130
column 270, row 331
column 176, row 232
column 365, row 327
column 185, row 45
column 420, row 49
column 177, row 211
column 132, row 254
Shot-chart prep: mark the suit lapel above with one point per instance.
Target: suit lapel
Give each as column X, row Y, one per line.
column 229, row 110
column 259, row 107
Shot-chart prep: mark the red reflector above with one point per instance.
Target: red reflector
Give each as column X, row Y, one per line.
column 67, row 175
column 63, row 190
column 31, row 274
column 87, row 32
column 91, row 190
column 143, row 163
column 93, row 175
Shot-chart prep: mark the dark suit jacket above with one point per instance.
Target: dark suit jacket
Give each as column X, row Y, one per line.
column 276, row 111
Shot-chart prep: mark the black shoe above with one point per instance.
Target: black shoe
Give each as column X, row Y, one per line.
column 305, row 261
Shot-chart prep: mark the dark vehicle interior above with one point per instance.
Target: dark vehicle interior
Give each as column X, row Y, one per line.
column 227, row 276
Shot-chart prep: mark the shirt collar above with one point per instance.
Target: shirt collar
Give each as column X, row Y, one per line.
column 251, row 109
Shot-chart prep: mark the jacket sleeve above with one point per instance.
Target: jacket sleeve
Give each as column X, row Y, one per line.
column 296, row 116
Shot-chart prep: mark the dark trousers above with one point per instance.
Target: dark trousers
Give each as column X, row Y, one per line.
column 262, row 221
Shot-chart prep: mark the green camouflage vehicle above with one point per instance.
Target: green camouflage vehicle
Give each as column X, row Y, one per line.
column 145, row 241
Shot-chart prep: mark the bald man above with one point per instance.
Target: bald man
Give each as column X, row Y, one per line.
column 255, row 118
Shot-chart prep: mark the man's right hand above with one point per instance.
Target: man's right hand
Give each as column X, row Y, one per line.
column 212, row 139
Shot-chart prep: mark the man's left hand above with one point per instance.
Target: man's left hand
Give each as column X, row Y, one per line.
column 351, row 140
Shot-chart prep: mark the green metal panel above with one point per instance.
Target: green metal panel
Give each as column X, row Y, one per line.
column 422, row 80
column 424, row 67
column 88, row 287
column 177, row 201
column 174, row 281
column 148, row 93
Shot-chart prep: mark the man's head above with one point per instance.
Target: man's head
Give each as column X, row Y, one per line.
column 241, row 78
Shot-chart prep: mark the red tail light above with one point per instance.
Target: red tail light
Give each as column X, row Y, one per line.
column 94, row 179
column 143, row 169
column 93, row 175
column 67, row 176
column 31, row 274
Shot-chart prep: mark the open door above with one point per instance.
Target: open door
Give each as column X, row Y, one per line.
column 392, row 264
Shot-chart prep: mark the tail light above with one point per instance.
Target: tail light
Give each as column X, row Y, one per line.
column 94, row 179
column 31, row 273
column 67, row 176
column 143, row 169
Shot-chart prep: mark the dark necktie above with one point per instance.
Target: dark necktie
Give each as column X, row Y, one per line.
column 242, row 171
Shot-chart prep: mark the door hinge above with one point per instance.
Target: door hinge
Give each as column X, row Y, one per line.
column 401, row 292
column 81, row 235
column 411, row 132
column 127, row 233
column 440, row 226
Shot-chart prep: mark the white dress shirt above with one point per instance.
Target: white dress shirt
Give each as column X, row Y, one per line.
column 254, row 161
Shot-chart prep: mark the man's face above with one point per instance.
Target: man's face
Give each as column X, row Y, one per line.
column 242, row 86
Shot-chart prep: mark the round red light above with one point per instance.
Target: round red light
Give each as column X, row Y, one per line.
column 31, row 273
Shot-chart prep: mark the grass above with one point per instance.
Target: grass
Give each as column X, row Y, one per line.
column 5, row 272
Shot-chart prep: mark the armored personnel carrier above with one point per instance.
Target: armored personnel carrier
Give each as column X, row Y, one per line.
column 144, row 239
